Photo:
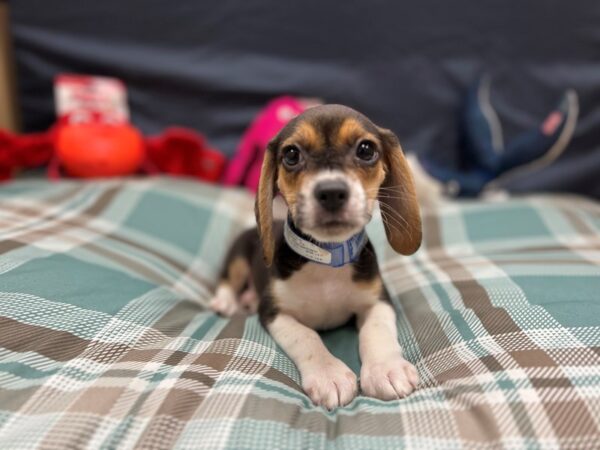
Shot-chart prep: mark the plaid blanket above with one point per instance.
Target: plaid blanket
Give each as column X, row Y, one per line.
column 105, row 341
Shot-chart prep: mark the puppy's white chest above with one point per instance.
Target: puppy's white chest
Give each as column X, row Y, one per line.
column 322, row 297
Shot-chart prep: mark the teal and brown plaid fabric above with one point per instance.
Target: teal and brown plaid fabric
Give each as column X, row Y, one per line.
column 105, row 341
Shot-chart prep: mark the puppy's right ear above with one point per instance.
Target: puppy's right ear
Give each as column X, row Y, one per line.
column 263, row 208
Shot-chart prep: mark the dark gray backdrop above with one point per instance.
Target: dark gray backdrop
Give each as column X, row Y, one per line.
column 211, row 65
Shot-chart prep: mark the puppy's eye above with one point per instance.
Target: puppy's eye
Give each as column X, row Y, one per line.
column 366, row 151
column 291, row 156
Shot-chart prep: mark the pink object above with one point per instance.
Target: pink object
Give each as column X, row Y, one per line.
column 552, row 122
column 244, row 168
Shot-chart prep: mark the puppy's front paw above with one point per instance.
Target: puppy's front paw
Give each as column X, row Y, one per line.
column 388, row 380
column 224, row 302
column 330, row 383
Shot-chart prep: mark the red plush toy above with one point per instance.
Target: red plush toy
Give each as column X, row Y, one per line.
column 25, row 151
column 179, row 151
column 110, row 151
column 93, row 138
column 117, row 151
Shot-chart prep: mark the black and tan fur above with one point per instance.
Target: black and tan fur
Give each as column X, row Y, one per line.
column 260, row 263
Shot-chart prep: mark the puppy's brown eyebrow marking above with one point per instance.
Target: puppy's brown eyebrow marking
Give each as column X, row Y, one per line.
column 350, row 131
column 306, row 136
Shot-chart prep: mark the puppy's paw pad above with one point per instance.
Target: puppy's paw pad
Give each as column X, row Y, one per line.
column 388, row 380
column 330, row 384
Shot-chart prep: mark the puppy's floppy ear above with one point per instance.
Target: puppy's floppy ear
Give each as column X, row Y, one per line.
column 398, row 199
column 263, row 208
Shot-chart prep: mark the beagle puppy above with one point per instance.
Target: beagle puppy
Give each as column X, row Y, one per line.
column 317, row 269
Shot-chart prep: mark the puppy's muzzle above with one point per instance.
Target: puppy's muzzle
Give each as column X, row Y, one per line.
column 332, row 195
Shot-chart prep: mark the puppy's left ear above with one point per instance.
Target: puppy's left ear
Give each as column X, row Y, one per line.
column 398, row 199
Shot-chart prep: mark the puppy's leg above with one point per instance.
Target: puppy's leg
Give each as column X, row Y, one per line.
column 325, row 379
column 235, row 277
column 385, row 374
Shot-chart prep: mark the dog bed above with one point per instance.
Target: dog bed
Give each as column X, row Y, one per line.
column 106, row 342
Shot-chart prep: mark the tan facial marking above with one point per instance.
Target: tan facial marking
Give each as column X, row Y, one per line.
column 371, row 179
column 289, row 184
column 350, row 132
column 305, row 136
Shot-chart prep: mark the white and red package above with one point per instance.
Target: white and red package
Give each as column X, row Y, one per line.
column 90, row 99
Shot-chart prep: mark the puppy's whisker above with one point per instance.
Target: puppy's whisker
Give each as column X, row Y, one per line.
column 391, row 191
column 395, row 196
column 395, row 186
column 395, row 190
column 398, row 195
column 393, row 212
column 389, row 214
column 391, row 224
column 393, row 220
column 401, row 197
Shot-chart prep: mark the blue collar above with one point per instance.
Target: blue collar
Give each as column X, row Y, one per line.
column 334, row 254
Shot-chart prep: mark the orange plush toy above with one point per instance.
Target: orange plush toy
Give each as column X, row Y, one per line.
column 99, row 150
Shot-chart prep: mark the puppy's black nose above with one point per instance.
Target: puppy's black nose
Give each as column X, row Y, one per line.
column 332, row 194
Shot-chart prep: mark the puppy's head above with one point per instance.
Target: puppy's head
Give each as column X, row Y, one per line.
column 331, row 164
